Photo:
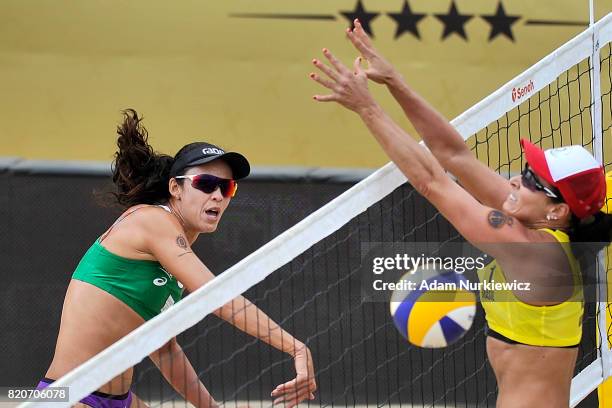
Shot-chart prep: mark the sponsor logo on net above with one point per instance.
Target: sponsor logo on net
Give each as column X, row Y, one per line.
column 520, row 92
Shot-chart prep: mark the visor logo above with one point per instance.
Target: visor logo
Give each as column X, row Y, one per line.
column 212, row 150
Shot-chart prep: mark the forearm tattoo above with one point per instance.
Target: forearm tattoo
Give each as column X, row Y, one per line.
column 498, row 219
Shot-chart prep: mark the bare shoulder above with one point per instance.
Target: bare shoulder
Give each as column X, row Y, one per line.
column 158, row 222
column 547, row 248
column 540, row 255
column 540, row 236
column 521, row 233
column 163, row 234
column 136, row 225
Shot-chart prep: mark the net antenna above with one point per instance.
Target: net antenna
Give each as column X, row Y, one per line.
column 604, row 351
column 502, row 114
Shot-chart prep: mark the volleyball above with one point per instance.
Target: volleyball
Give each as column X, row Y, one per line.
column 433, row 311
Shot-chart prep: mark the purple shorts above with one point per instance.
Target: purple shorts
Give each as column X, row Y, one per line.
column 98, row 399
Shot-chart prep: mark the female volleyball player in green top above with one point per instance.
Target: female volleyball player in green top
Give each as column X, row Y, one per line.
column 139, row 266
column 532, row 336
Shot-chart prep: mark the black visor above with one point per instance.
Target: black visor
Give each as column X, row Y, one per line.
column 203, row 152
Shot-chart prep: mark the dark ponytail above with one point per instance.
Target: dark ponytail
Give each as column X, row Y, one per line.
column 140, row 175
column 588, row 237
column 597, row 228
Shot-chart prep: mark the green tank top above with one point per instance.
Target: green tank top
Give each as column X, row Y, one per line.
column 143, row 285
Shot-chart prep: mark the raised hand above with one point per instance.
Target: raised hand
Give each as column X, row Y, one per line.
column 303, row 386
column 348, row 88
column 379, row 69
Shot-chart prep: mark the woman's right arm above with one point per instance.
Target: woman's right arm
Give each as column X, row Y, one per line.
column 477, row 223
column 442, row 139
column 178, row 371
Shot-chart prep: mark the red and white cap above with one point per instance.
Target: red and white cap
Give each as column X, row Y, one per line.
column 573, row 171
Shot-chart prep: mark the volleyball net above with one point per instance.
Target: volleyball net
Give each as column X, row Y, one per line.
column 309, row 278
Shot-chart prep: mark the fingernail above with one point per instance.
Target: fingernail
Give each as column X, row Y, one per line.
column 314, row 97
column 314, row 61
column 312, row 75
column 325, row 50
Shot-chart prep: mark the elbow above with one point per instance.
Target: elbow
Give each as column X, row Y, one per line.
column 424, row 188
column 429, row 186
column 456, row 158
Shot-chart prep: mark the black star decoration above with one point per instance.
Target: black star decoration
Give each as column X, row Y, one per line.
column 362, row 15
column 406, row 21
column 453, row 22
column 501, row 23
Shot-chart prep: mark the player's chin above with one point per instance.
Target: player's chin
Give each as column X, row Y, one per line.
column 519, row 214
column 507, row 209
column 208, row 227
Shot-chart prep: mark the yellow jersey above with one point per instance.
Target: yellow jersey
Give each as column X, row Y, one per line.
column 558, row 325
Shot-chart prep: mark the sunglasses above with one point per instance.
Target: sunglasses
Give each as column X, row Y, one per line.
column 530, row 181
column 209, row 183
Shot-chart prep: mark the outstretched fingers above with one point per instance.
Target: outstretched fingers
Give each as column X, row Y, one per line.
column 330, row 73
column 358, row 43
column 294, row 397
column 360, row 34
column 357, row 66
column 325, row 98
column 325, row 69
column 298, row 384
column 293, row 392
column 339, row 66
column 326, row 83
column 348, row 85
column 289, row 385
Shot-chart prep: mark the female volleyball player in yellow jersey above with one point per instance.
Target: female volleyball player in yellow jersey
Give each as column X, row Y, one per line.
column 139, row 266
column 533, row 336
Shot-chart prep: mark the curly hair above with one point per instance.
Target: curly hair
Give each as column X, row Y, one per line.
column 140, row 174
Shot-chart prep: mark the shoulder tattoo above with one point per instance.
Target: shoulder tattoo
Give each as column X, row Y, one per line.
column 182, row 243
column 498, row 219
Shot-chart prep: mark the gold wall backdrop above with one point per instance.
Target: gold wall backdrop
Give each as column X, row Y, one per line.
column 234, row 72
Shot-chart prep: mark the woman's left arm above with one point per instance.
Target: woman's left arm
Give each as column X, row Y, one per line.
column 476, row 222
